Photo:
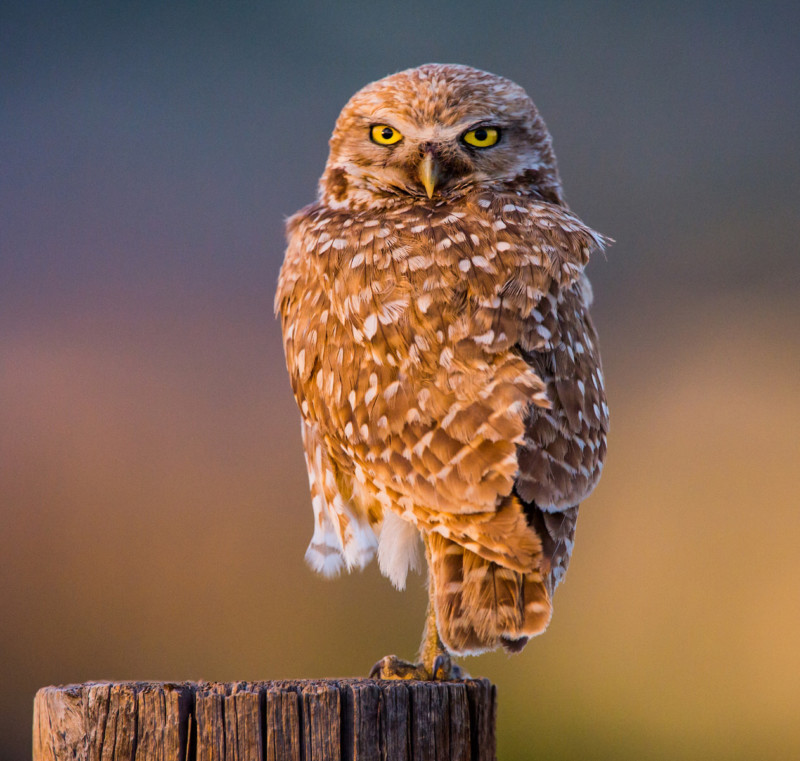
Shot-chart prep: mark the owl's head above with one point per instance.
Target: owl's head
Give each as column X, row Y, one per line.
column 438, row 131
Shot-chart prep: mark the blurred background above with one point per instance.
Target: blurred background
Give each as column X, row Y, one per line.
column 154, row 509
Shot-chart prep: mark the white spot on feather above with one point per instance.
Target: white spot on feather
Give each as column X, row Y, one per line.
column 371, row 325
column 424, row 302
column 391, row 390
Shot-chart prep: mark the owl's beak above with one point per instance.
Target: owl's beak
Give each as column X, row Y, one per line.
column 428, row 173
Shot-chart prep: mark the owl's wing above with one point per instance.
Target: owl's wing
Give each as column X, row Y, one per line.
column 561, row 459
column 562, row 455
column 532, row 305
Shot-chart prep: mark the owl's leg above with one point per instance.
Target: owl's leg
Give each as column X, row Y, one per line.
column 435, row 662
column 433, row 654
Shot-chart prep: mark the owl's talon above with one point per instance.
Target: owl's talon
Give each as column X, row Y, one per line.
column 444, row 670
column 392, row 667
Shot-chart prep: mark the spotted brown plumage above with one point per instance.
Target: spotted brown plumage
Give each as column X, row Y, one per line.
column 437, row 336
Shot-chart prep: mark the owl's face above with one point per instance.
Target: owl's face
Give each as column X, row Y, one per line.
column 435, row 132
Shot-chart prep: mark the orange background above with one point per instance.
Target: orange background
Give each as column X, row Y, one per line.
column 154, row 508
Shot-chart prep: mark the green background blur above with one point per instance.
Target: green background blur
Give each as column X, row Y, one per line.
column 154, row 508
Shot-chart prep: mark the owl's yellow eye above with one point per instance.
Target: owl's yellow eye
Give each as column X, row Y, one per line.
column 383, row 134
column 482, row 137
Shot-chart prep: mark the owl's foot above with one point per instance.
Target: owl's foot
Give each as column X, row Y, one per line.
column 392, row 667
column 444, row 670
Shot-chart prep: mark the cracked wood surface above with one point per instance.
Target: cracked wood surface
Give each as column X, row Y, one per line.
column 303, row 720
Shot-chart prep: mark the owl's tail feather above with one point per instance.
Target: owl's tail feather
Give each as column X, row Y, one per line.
column 481, row 605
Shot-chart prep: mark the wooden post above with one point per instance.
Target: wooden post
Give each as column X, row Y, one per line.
column 320, row 720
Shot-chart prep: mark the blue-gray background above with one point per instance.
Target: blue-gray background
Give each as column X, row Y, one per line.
column 154, row 508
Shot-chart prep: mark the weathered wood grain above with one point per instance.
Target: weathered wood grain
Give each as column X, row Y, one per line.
column 283, row 722
column 308, row 720
column 243, row 723
column 482, row 697
column 209, row 722
column 321, row 721
column 361, row 719
column 395, row 720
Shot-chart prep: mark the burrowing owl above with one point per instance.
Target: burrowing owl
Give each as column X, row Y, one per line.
column 437, row 334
